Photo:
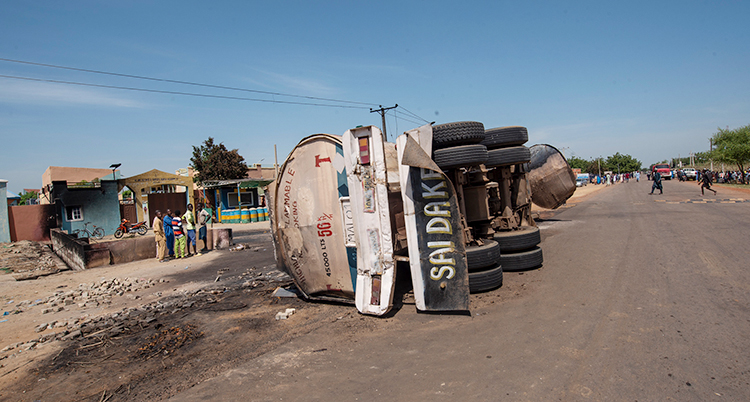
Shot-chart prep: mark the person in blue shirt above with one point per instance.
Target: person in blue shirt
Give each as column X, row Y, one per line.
column 169, row 233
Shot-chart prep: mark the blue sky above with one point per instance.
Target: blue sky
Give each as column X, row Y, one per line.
column 649, row 79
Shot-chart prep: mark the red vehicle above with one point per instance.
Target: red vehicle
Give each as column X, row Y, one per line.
column 663, row 169
column 125, row 227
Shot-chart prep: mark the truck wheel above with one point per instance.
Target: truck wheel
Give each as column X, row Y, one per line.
column 508, row 156
column 479, row 257
column 463, row 155
column 524, row 238
column 505, row 137
column 458, row 133
column 522, row 261
column 486, row 280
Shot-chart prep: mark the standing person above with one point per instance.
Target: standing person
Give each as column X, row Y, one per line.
column 161, row 239
column 657, row 183
column 204, row 218
column 637, row 177
column 189, row 220
column 706, row 182
column 169, row 233
column 179, row 236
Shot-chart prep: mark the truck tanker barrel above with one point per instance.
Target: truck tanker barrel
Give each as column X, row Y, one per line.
column 551, row 178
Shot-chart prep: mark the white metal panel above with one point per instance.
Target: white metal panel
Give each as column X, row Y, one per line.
column 368, row 191
column 423, row 136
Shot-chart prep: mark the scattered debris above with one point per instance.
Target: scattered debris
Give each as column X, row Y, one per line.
column 281, row 292
column 283, row 315
column 168, row 340
column 29, row 260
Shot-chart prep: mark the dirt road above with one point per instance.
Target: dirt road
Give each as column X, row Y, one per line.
column 640, row 298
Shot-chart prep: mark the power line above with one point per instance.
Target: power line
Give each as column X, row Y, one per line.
column 413, row 114
column 180, row 93
column 397, row 116
column 140, row 77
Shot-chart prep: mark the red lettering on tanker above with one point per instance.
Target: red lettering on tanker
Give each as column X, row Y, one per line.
column 318, row 160
column 324, row 230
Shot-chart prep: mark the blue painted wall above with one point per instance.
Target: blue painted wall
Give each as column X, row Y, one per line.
column 4, row 222
column 100, row 206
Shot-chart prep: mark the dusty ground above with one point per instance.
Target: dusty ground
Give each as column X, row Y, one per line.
column 180, row 323
column 149, row 330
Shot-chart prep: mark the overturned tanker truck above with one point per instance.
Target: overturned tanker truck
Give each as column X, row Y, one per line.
column 452, row 202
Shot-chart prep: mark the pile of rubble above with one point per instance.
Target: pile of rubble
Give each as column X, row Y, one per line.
column 28, row 259
column 130, row 318
column 87, row 295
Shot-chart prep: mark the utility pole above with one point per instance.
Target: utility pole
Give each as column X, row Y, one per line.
column 382, row 111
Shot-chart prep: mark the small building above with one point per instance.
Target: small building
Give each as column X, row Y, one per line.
column 13, row 198
column 79, row 203
column 237, row 200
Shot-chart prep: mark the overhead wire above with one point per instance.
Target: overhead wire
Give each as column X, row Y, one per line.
column 414, row 114
column 141, row 77
column 181, row 93
column 399, row 115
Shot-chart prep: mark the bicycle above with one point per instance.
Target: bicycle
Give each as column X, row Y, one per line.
column 97, row 233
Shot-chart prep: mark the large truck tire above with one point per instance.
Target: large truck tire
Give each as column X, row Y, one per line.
column 480, row 257
column 522, row 261
column 505, row 137
column 507, row 156
column 486, row 280
column 463, row 155
column 457, row 133
column 524, row 238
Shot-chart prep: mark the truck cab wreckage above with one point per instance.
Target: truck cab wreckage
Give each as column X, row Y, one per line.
column 452, row 201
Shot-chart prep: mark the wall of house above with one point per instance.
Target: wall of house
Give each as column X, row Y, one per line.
column 100, row 206
column 4, row 222
column 31, row 222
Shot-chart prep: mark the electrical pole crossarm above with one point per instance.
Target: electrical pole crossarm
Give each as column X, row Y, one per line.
column 382, row 111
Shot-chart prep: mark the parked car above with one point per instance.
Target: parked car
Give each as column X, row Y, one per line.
column 690, row 173
column 451, row 201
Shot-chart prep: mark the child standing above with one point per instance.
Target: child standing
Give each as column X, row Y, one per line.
column 179, row 236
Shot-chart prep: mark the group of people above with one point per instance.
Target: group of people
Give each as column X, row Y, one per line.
column 175, row 233
column 704, row 178
column 612, row 178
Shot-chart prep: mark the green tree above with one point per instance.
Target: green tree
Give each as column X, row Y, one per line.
column 622, row 163
column 578, row 163
column 25, row 197
column 733, row 147
column 215, row 162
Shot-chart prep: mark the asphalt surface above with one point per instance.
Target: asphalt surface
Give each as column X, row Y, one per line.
column 641, row 298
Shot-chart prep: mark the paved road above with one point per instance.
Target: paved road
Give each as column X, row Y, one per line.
column 641, row 298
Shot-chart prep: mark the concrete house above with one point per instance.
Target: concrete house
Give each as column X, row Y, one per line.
column 82, row 195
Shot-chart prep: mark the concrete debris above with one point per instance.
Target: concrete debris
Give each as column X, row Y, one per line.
column 29, row 260
column 119, row 322
column 281, row 292
column 283, row 315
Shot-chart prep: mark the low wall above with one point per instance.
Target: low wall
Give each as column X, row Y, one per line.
column 31, row 222
column 135, row 249
column 70, row 249
column 78, row 253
